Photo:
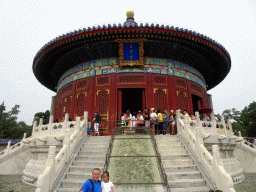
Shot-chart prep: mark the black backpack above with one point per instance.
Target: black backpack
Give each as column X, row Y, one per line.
column 92, row 184
column 98, row 118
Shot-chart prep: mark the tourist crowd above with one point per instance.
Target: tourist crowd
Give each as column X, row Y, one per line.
column 161, row 122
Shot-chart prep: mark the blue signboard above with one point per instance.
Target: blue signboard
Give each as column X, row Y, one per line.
column 131, row 51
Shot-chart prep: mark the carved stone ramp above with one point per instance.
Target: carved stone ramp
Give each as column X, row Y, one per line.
column 182, row 173
column 91, row 155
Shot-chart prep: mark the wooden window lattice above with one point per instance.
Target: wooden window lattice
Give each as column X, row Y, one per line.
column 65, row 106
column 160, row 80
column 103, row 102
column 66, row 89
column 181, row 83
column 80, row 105
column 81, row 84
column 132, row 79
column 196, row 88
column 160, row 100
column 103, row 80
column 182, row 101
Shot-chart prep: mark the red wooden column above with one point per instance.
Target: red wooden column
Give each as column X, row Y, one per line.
column 149, row 91
column 189, row 97
column 112, row 102
column 90, row 102
column 73, row 101
column 173, row 101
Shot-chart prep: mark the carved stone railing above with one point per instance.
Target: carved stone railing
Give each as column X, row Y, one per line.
column 14, row 148
column 221, row 129
column 52, row 128
column 55, row 163
column 212, row 163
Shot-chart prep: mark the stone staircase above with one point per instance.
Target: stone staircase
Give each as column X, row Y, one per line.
column 182, row 173
column 91, row 155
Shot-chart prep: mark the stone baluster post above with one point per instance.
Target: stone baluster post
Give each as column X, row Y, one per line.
column 86, row 121
column 50, row 162
column 178, row 122
column 223, row 124
column 198, row 123
column 34, row 128
column 230, row 128
column 41, row 122
column 24, row 136
column 78, row 128
column 186, row 120
column 65, row 125
column 8, row 146
column 239, row 134
column 213, row 122
column 216, row 162
column 66, row 141
column 50, row 125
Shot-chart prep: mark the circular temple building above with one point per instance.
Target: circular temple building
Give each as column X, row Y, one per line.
column 112, row 68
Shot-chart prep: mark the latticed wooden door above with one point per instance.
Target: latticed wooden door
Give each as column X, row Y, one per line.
column 65, row 107
column 182, row 100
column 160, row 99
column 80, row 104
column 102, row 107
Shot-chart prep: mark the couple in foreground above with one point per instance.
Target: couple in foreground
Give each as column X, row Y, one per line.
column 95, row 185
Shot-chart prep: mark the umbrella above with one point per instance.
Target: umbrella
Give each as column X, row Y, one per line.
column 205, row 110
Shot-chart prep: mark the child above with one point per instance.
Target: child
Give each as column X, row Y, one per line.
column 89, row 127
column 106, row 185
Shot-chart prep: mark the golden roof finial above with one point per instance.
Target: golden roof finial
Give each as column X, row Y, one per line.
column 130, row 15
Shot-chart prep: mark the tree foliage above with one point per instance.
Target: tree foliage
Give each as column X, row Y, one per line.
column 9, row 127
column 45, row 115
column 245, row 120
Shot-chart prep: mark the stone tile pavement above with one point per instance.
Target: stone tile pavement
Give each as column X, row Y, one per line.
column 248, row 185
column 14, row 182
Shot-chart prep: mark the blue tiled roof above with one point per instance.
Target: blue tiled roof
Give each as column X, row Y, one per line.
column 132, row 24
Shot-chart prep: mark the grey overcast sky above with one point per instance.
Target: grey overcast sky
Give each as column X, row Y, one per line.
column 26, row 25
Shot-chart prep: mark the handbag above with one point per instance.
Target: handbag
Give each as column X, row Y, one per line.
column 139, row 121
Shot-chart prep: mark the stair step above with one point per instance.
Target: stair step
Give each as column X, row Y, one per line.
column 90, row 159
column 89, row 149
column 92, row 153
column 177, row 162
column 181, row 168
column 69, row 189
column 79, row 175
column 96, row 144
column 177, row 156
column 172, row 151
column 173, row 176
column 73, row 183
column 167, row 139
column 191, row 189
column 88, row 163
column 84, row 169
column 186, row 183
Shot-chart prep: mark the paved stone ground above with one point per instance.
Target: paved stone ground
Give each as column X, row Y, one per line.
column 8, row 182
column 14, row 182
column 248, row 185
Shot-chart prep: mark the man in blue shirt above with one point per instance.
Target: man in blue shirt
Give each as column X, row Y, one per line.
column 92, row 183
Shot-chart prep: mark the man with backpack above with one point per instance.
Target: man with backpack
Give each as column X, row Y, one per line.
column 94, row 184
column 96, row 121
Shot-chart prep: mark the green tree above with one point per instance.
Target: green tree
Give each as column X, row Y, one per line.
column 248, row 119
column 9, row 127
column 45, row 115
column 232, row 114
